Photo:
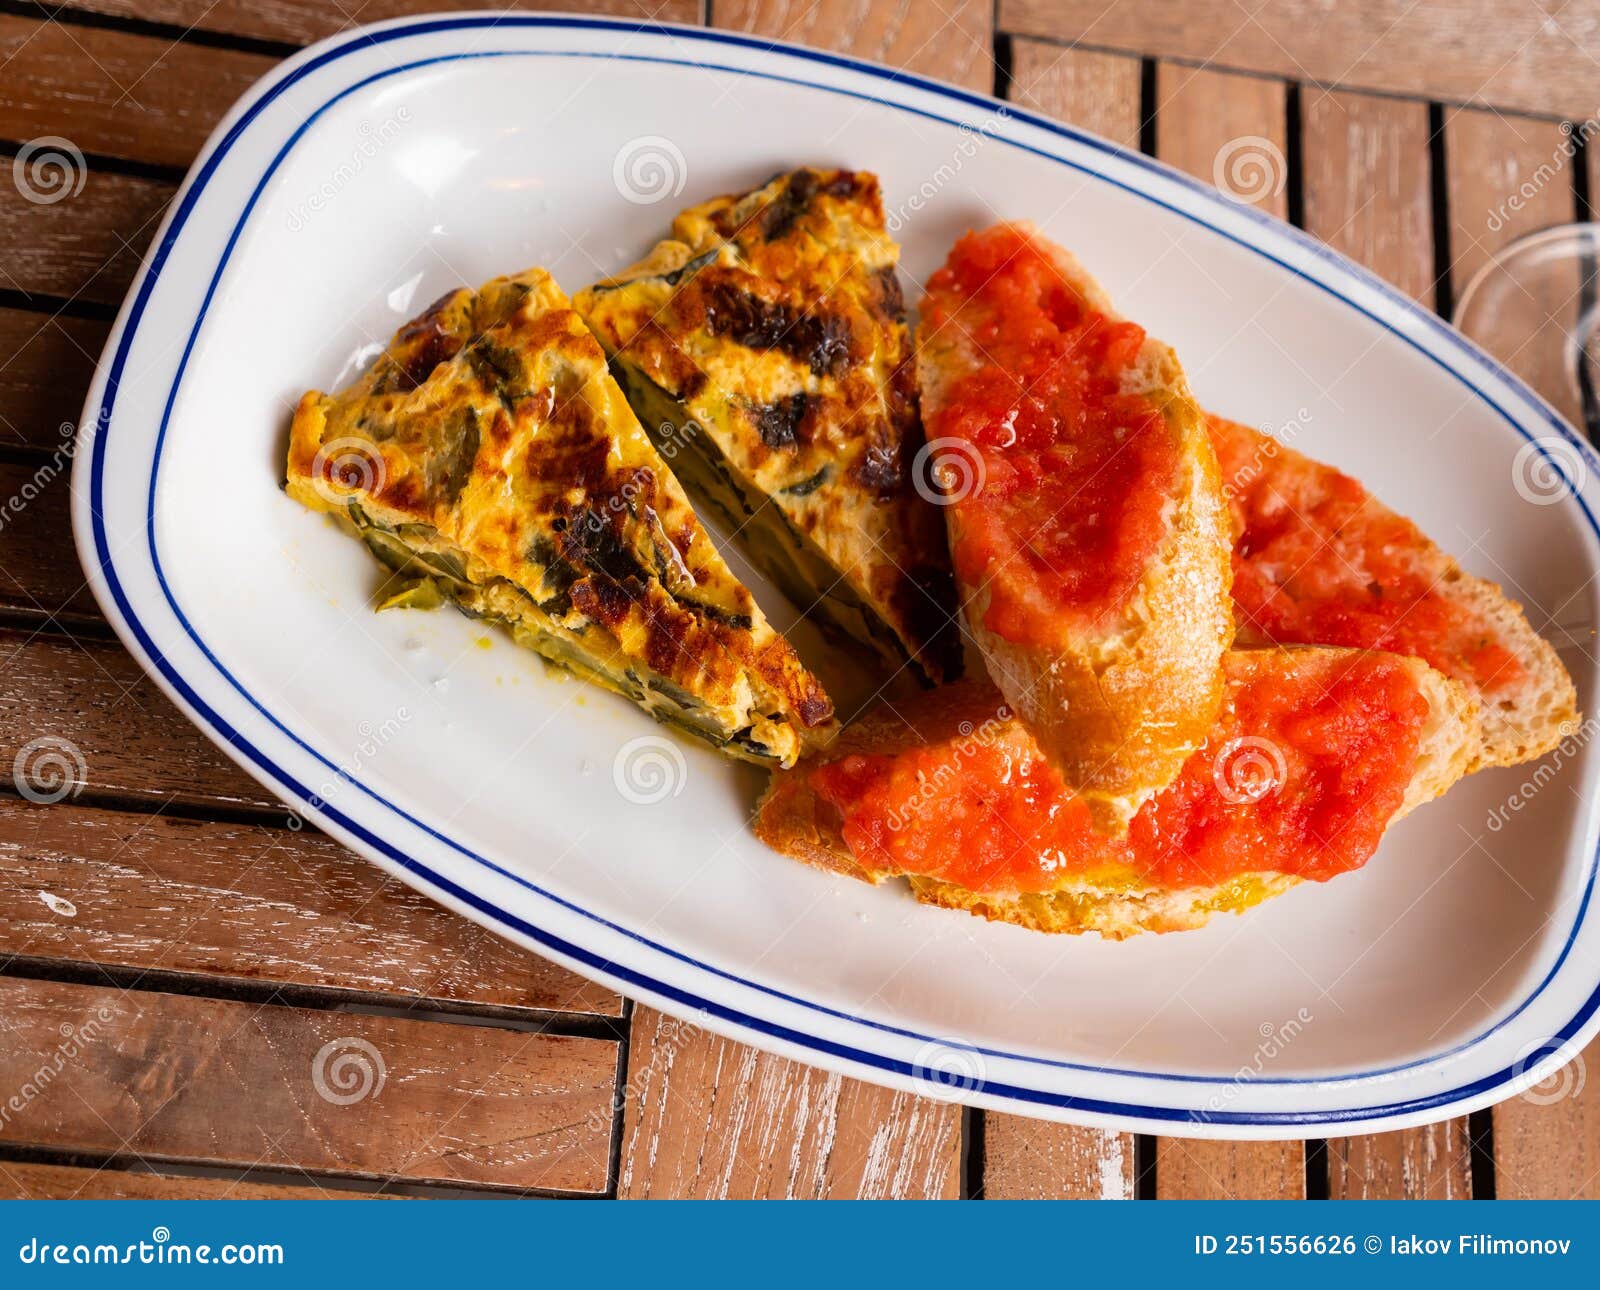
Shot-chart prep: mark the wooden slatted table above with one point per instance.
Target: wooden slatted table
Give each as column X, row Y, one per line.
column 191, row 989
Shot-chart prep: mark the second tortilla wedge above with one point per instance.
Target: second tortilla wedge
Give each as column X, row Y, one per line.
column 765, row 345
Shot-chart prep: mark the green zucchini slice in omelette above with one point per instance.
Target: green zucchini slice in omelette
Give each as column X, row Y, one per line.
column 489, row 459
column 766, row 338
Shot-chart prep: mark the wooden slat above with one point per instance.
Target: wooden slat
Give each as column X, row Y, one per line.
column 200, row 1081
column 1508, row 176
column 1194, row 1170
column 1490, row 158
column 38, row 566
column 1547, row 1141
column 1368, row 193
column 149, row 893
column 300, row 22
column 84, row 247
column 1229, row 128
column 950, row 39
column 70, row 1182
column 1099, row 92
column 1367, row 184
column 45, row 366
column 709, row 1117
column 131, row 739
column 1528, row 57
column 1033, row 1160
column 140, row 97
column 1430, row 1163
column 706, row 1117
column 1202, row 116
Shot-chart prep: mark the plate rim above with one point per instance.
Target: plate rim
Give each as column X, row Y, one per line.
column 100, row 566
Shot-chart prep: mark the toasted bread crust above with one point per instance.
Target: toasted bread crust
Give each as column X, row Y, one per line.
column 1114, row 901
column 1120, row 710
column 1521, row 721
column 1115, row 915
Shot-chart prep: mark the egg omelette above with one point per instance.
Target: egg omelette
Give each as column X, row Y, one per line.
column 766, row 341
column 488, row 459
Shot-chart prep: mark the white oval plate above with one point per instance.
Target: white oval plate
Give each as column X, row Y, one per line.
column 373, row 172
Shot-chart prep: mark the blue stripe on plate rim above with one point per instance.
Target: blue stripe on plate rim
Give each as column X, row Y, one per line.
column 264, row 93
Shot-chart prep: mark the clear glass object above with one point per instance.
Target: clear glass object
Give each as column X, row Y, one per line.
column 1535, row 305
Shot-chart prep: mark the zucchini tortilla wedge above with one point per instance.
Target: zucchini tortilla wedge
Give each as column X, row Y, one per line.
column 767, row 338
column 489, row 459
column 1087, row 526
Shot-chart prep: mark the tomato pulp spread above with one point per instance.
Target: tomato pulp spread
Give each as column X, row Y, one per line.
column 1305, row 767
column 1317, row 561
column 1070, row 497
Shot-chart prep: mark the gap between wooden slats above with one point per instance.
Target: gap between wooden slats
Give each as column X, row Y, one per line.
column 705, row 1116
